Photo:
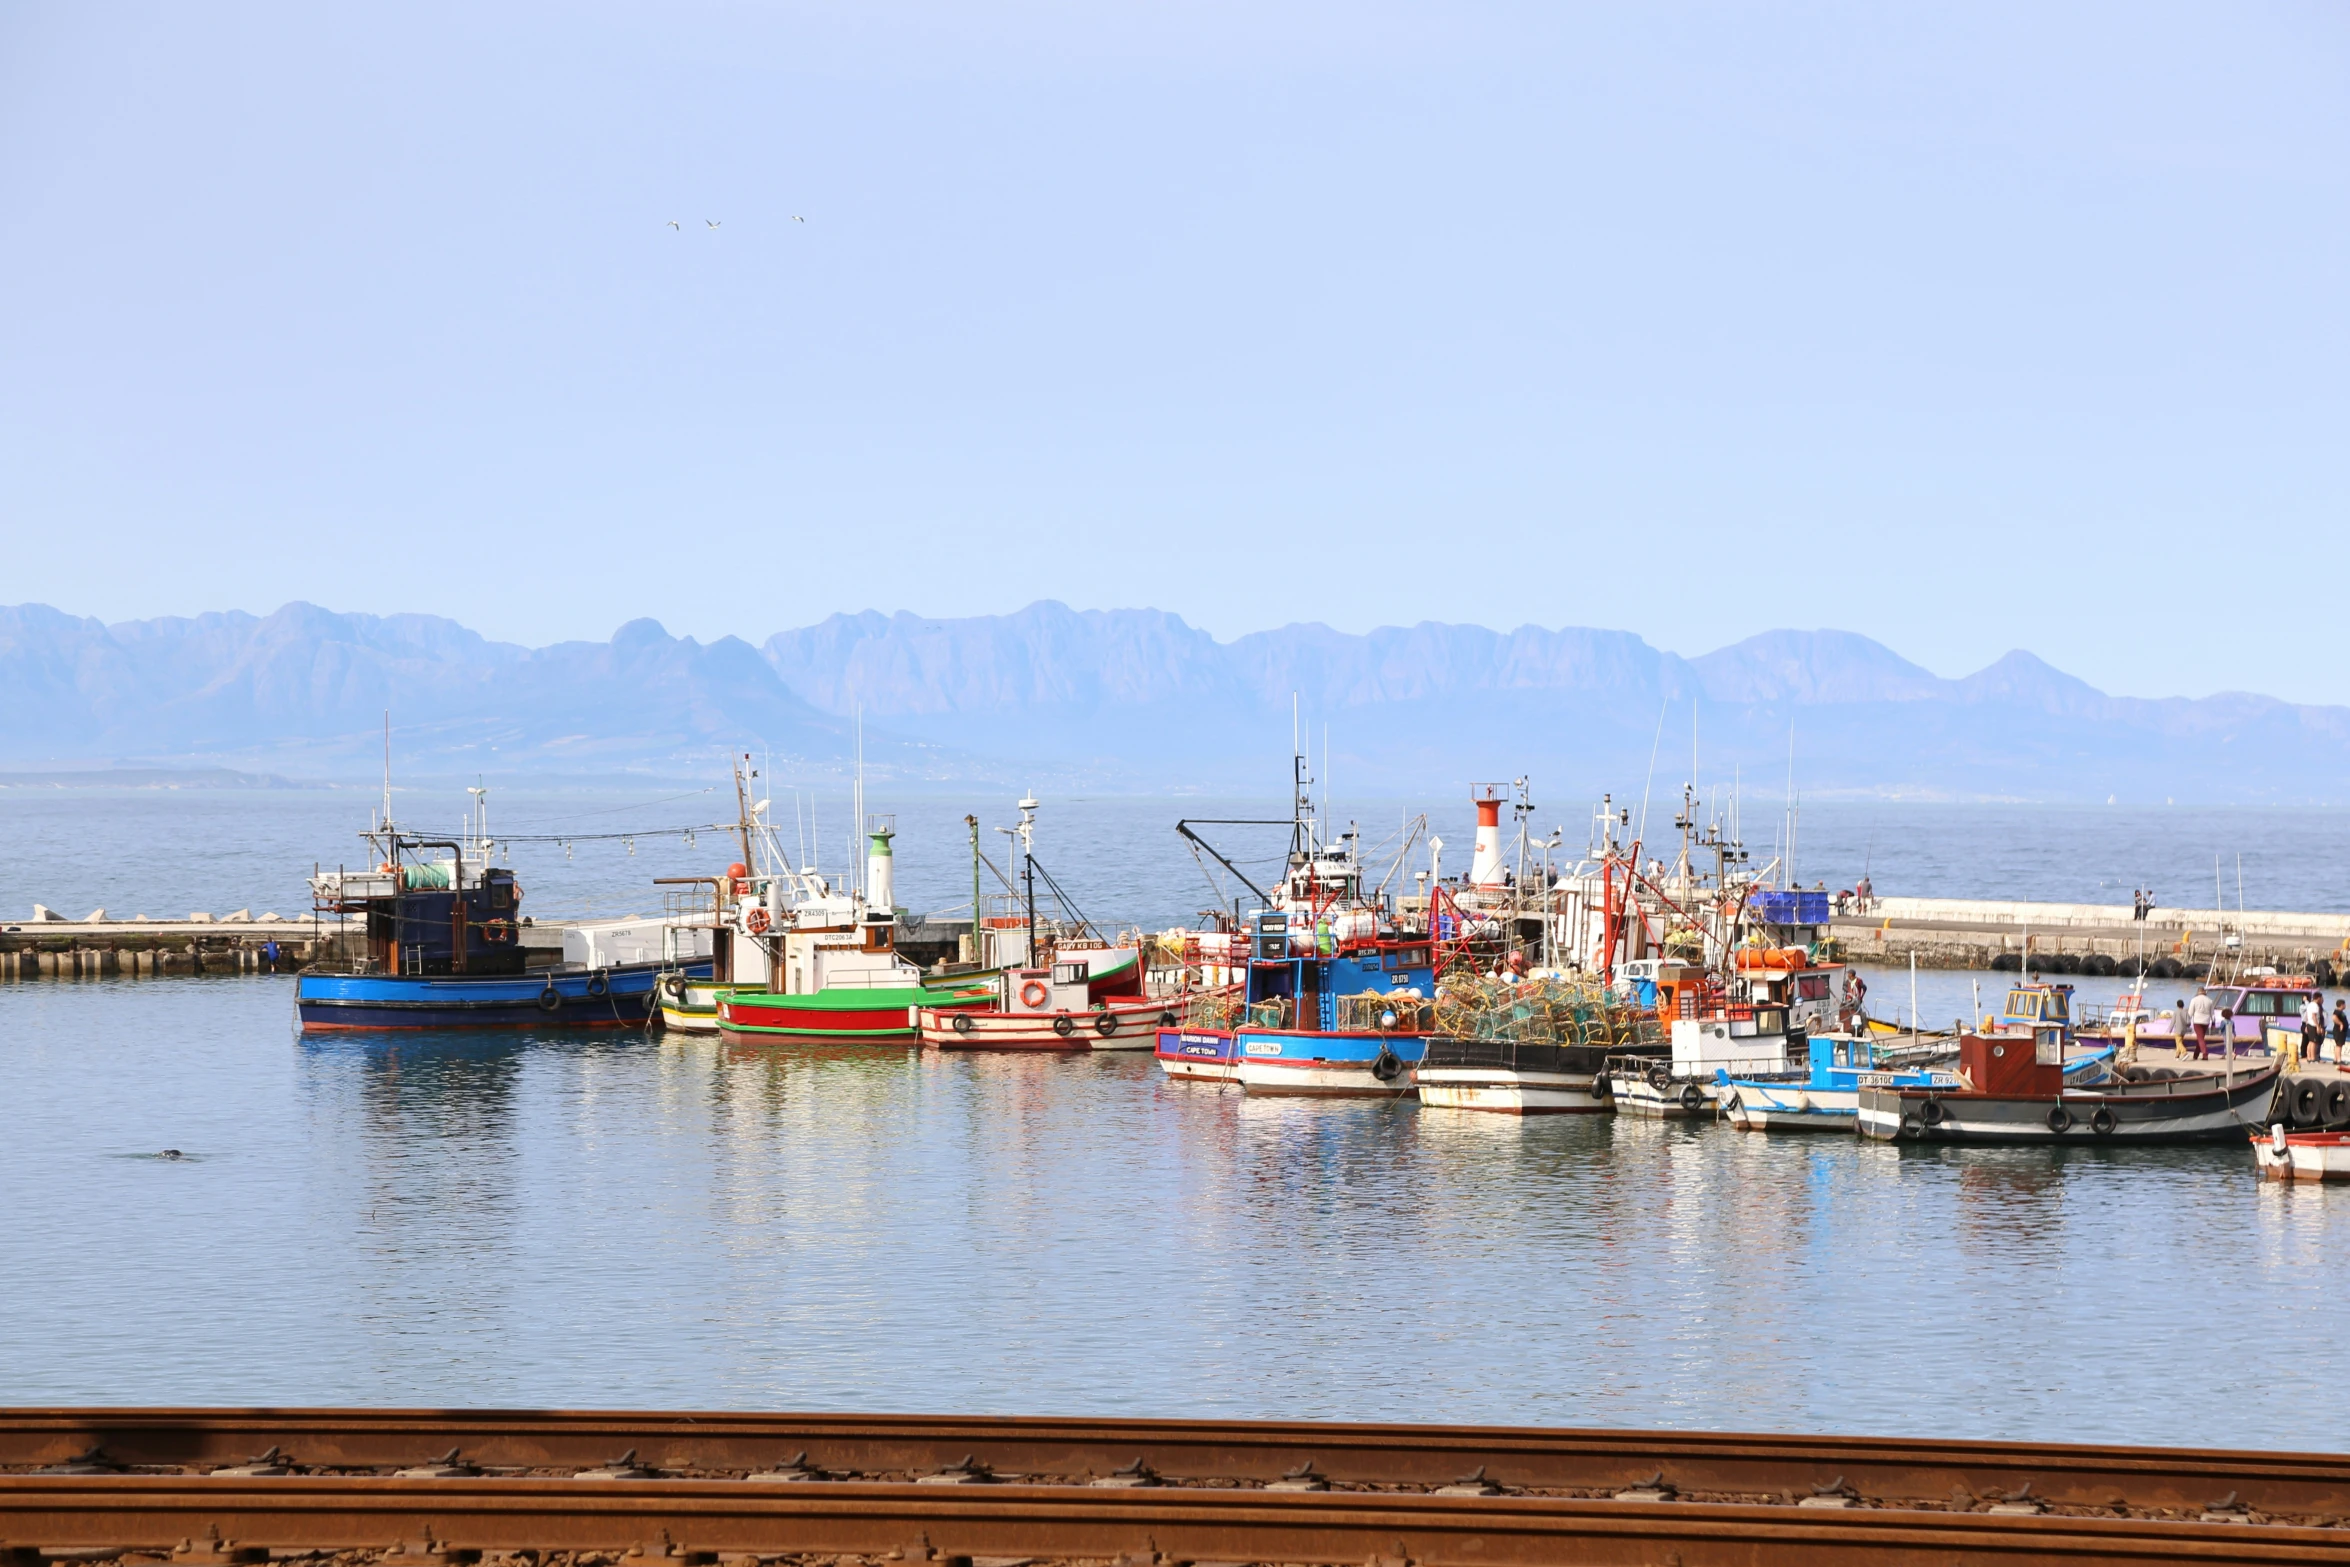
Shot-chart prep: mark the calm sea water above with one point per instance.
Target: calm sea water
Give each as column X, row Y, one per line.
column 615, row 1219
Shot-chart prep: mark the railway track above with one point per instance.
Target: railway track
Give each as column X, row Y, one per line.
column 641, row 1490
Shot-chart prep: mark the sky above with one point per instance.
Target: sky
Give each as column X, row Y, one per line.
column 1963, row 326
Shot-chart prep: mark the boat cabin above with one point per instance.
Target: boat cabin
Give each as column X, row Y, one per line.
column 430, row 917
column 1312, row 974
column 2030, row 1005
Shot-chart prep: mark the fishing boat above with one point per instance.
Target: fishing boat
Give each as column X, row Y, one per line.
column 1512, row 1077
column 1333, row 1000
column 811, row 960
column 1754, row 1020
column 2015, row 1093
column 1825, row 1099
column 1053, row 981
column 445, row 946
column 2309, row 1137
column 1085, row 999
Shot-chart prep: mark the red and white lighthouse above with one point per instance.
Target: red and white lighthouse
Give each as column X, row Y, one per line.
column 1485, row 868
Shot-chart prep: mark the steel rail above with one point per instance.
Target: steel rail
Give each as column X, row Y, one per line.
column 203, row 1521
column 1759, row 1468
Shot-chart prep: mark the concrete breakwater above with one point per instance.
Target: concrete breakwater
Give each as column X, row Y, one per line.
column 2091, row 938
column 46, row 947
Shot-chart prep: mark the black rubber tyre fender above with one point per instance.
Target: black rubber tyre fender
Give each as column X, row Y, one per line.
column 1387, row 1066
column 1106, row 1024
column 1931, row 1112
column 1168, row 1019
column 1064, row 1025
column 2060, row 1119
column 2104, row 1121
column 597, row 985
column 962, row 1023
column 1692, row 1098
column 2338, row 1103
column 550, row 1000
column 2308, row 1102
column 1912, row 1127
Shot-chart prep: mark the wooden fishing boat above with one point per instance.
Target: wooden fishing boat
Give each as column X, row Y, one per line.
column 2016, row 1094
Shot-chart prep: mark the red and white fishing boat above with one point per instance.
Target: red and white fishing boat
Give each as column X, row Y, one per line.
column 1087, row 999
column 2301, row 1156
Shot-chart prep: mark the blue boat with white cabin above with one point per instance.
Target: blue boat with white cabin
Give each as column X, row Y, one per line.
column 1827, row 1097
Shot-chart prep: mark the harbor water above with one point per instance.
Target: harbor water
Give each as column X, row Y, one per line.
column 617, row 1219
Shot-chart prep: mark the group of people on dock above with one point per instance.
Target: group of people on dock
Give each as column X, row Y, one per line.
column 2321, row 1039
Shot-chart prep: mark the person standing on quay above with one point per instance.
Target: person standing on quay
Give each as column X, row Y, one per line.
column 2313, row 1031
column 2199, row 1019
column 2341, row 1036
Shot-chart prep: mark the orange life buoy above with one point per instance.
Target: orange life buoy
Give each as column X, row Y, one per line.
column 757, row 919
column 1033, row 994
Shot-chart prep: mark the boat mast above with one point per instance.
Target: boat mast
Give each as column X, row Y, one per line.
column 977, row 956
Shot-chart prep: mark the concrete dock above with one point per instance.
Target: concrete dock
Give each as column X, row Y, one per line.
column 2090, row 938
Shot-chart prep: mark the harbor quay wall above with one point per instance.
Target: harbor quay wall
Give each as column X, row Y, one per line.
column 2086, row 937
column 52, row 949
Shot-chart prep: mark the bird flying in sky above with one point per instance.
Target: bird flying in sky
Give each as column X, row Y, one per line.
column 673, row 223
column 796, row 218
column 713, row 222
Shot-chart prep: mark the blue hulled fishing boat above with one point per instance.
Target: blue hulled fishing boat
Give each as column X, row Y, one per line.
column 1334, row 997
column 441, row 943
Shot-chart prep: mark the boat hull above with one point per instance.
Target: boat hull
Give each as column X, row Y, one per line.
column 1131, row 1026
column 1201, row 1055
column 1772, row 1107
column 2303, row 1156
column 879, row 1013
column 597, row 998
column 2158, row 1113
column 1302, row 1064
column 1503, row 1078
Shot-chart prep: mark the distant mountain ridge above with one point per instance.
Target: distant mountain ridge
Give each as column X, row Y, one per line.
column 1129, row 699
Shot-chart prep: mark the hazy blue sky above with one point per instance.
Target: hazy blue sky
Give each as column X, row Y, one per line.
column 1967, row 327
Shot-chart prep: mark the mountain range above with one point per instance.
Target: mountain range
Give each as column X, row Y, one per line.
column 1132, row 700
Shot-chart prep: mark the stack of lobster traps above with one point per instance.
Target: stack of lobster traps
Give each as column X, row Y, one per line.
column 1531, row 1046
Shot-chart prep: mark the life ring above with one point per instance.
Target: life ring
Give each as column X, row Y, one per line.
column 2060, row 1119
column 962, row 1023
column 756, row 921
column 597, row 984
column 1106, row 1024
column 1387, row 1066
column 2104, row 1121
column 550, row 999
column 1033, row 994
column 497, row 931
column 1692, row 1097
column 1064, row 1025
column 1931, row 1112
